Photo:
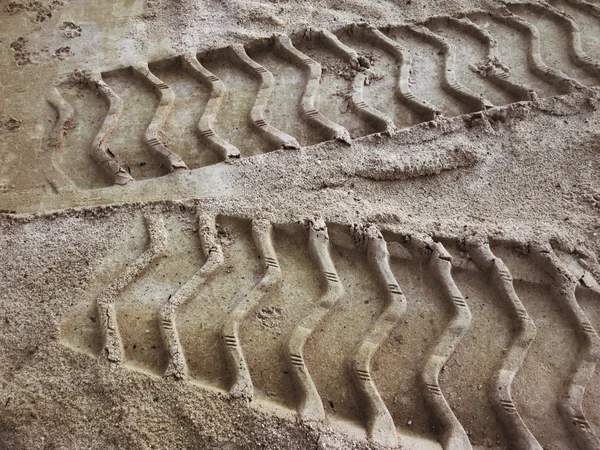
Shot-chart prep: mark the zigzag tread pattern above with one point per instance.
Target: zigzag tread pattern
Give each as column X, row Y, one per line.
column 365, row 107
column 228, row 248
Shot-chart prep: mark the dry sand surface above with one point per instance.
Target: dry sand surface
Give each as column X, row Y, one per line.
column 315, row 224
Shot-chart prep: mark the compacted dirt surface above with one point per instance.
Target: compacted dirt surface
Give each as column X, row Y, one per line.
column 299, row 224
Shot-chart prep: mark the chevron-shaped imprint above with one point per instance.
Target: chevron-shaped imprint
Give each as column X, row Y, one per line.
column 54, row 175
column 242, row 382
column 100, row 150
column 570, row 405
column 380, row 425
column 165, row 105
column 560, row 40
column 307, row 104
column 211, row 110
column 500, row 276
column 452, row 434
column 279, row 138
column 401, row 88
column 105, row 302
column 534, row 56
column 177, row 366
column 480, row 64
column 310, row 406
column 449, row 81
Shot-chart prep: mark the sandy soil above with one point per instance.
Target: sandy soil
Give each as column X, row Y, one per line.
column 524, row 171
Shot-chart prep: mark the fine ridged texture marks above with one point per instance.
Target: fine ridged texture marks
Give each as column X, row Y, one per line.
column 100, row 151
column 335, row 131
column 257, row 113
column 262, row 233
column 452, row 434
column 177, row 366
column 501, row 278
column 166, row 96
column 211, row 110
column 57, row 179
column 380, row 425
column 570, row 403
column 310, row 406
column 233, row 121
column 112, row 343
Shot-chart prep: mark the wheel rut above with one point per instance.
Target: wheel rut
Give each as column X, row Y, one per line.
column 397, row 335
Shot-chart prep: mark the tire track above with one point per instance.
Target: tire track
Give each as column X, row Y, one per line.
column 309, row 99
column 290, row 79
column 405, row 58
column 105, row 302
column 359, row 81
column 129, row 141
column 369, row 114
column 310, row 406
column 538, row 385
column 177, row 366
column 335, row 91
column 513, row 43
column 266, row 318
column 479, row 68
column 534, row 54
column 266, row 331
column 405, row 352
column 278, row 138
column 57, row 179
column 586, row 269
column 587, row 18
column 383, row 57
column 449, row 82
column 428, row 66
column 233, row 121
column 470, row 381
column 230, row 331
column 101, row 153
